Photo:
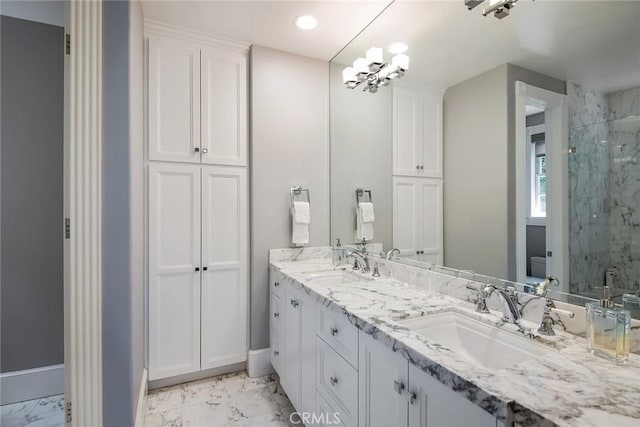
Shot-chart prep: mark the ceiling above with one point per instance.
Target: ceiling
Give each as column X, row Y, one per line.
column 270, row 23
column 595, row 43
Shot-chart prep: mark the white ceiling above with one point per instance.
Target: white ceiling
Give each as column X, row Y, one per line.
column 595, row 43
column 270, row 23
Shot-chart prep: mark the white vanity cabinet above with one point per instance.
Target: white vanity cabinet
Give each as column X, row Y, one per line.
column 417, row 220
column 417, row 131
column 298, row 361
column 436, row 405
column 394, row 392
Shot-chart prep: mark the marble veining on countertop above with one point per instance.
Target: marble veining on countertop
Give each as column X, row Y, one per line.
column 568, row 387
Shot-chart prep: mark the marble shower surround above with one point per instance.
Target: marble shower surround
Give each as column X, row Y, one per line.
column 604, row 187
column 570, row 387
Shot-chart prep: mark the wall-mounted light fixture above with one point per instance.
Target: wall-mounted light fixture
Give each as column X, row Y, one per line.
column 373, row 71
column 500, row 8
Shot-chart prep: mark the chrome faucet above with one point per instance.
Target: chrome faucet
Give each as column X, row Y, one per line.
column 360, row 261
column 392, row 252
column 541, row 290
column 510, row 311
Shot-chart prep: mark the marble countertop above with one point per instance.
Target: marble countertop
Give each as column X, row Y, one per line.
column 569, row 387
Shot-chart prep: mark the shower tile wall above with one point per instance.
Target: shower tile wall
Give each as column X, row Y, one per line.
column 604, row 176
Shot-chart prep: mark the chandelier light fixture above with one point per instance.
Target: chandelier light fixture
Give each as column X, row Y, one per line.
column 499, row 8
column 372, row 72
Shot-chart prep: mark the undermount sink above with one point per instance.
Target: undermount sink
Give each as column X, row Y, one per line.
column 485, row 345
column 337, row 277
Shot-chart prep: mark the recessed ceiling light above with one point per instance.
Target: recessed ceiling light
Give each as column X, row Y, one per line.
column 398, row 47
column 306, row 22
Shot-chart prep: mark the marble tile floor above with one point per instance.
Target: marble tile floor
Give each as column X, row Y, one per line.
column 227, row 400
column 45, row 412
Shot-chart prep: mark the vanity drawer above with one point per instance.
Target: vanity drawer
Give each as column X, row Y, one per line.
column 275, row 315
column 275, row 278
column 276, row 351
column 336, row 330
column 327, row 414
column 337, row 381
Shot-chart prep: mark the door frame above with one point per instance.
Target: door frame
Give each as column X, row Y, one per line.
column 83, row 208
column 557, row 150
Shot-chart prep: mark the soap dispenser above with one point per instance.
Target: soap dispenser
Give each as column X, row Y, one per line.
column 338, row 254
column 608, row 329
column 631, row 303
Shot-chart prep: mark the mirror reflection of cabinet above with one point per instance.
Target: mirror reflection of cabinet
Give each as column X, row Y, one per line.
column 417, row 172
column 417, row 131
column 417, row 219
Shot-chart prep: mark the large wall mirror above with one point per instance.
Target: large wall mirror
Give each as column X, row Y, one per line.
column 511, row 147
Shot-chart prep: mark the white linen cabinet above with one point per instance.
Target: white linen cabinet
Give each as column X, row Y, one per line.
column 198, row 202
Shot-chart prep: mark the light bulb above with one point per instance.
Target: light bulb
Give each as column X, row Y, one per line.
column 361, row 65
column 348, row 75
column 374, row 55
column 401, row 61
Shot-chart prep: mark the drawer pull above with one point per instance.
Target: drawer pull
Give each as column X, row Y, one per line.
column 334, row 331
column 276, row 284
column 402, row 391
column 276, row 353
column 276, row 314
column 294, row 303
column 333, row 381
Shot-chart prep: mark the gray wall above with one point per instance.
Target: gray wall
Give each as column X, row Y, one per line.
column 31, row 289
column 45, row 11
column 479, row 169
column 361, row 156
column 475, row 174
column 289, row 146
column 122, row 211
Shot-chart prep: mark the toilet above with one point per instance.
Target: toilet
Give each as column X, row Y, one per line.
column 539, row 266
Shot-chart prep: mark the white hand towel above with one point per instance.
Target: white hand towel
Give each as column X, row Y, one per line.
column 300, row 219
column 364, row 229
column 366, row 212
column 301, row 213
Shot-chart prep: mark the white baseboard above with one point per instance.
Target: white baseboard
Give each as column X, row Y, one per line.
column 198, row 375
column 142, row 401
column 259, row 362
column 29, row 384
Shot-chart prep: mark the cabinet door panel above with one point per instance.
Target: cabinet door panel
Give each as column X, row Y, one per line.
column 407, row 132
column 290, row 379
column 406, row 235
column 431, row 226
column 224, row 255
column 378, row 402
column 174, row 100
column 439, row 406
column 174, row 283
column 431, row 155
column 224, row 107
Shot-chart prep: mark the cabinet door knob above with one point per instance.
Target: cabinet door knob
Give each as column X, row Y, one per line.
column 276, row 314
column 205, row 150
column 205, row 268
column 418, row 167
column 196, row 149
column 197, row 268
column 276, row 284
column 421, row 167
column 334, row 331
column 333, row 381
column 276, row 352
column 294, row 303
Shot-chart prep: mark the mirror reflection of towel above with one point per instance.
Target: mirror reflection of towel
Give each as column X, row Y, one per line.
column 365, row 218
